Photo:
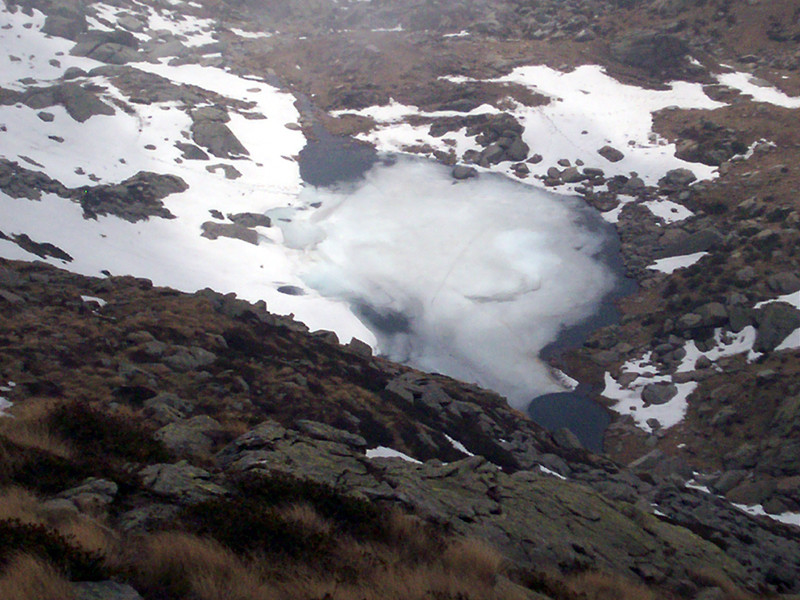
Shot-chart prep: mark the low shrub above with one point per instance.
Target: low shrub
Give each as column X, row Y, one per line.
column 350, row 514
column 26, row 577
column 247, row 525
column 37, row 469
column 98, row 434
column 47, row 544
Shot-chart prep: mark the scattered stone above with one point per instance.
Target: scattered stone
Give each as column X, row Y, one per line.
column 322, row 431
column 104, row 590
column 461, row 172
column 678, row 178
column 190, row 436
column 190, row 151
column 659, row 393
column 181, row 481
column 653, row 51
column 775, row 322
column 249, row 219
column 190, row 359
column 213, row 230
column 611, row 154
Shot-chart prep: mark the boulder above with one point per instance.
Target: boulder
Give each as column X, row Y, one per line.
column 217, row 139
column 69, row 27
column 653, row 51
column 611, row 154
column 104, row 590
column 181, row 482
column 92, row 496
column 189, row 358
column 166, row 408
column 213, row 230
column 190, row 436
column 566, row 439
column 462, row 172
column 678, row 178
column 775, row 322
column 572, row 175
column 659, row 393
column 690, row 243
column 712, row 314
column 728, row 480
column 517, row 150
column 190, row 151
column 249, row 219
column 322, row 431
column 787, row 282
column 136, row 199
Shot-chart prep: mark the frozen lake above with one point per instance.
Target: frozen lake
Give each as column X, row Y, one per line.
column 467, row 278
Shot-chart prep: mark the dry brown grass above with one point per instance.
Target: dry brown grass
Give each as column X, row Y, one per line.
column 603, row 586
column 465, row 568
column 28, row 427
column 28, row 578
column 18, row 503
column 307, row 518
column 85, row 532
column 473, row 558
column 183, row 565
column 180, row 565
column 92, row 536
column 712, row 578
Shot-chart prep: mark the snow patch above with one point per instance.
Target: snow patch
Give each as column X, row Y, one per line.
column 95, row 299
column 727, row 344
column 384, row 452
column 673, row 263
column 458, row 445
column 552, row 473
column 667, row 210
column 758, row 89
column 788, row 518
column 588, row 110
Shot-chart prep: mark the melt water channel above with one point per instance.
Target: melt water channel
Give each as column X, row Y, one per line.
column 481, row 279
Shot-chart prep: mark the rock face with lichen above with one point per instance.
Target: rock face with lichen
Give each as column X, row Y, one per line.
column 312, row 409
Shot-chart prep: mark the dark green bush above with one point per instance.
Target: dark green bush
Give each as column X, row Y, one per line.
column 97, row 434
column 39, row 540
column 354, row 515
column 38, row 470
column 246, row 525
column 250, row 522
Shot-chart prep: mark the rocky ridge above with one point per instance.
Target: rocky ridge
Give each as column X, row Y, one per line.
column 196, row 369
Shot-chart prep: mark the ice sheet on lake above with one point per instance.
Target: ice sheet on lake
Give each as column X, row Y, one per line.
column 471, row 279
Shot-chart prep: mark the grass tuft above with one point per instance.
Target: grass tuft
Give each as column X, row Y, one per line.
column 26, row 577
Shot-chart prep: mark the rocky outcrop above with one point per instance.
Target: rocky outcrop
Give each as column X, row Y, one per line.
column 775, row 322
column 653, row 51
column 135, row 199
column 210, row 132
column 114, row 47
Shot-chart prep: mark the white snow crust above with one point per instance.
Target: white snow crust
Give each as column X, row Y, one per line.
column 384, row 452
